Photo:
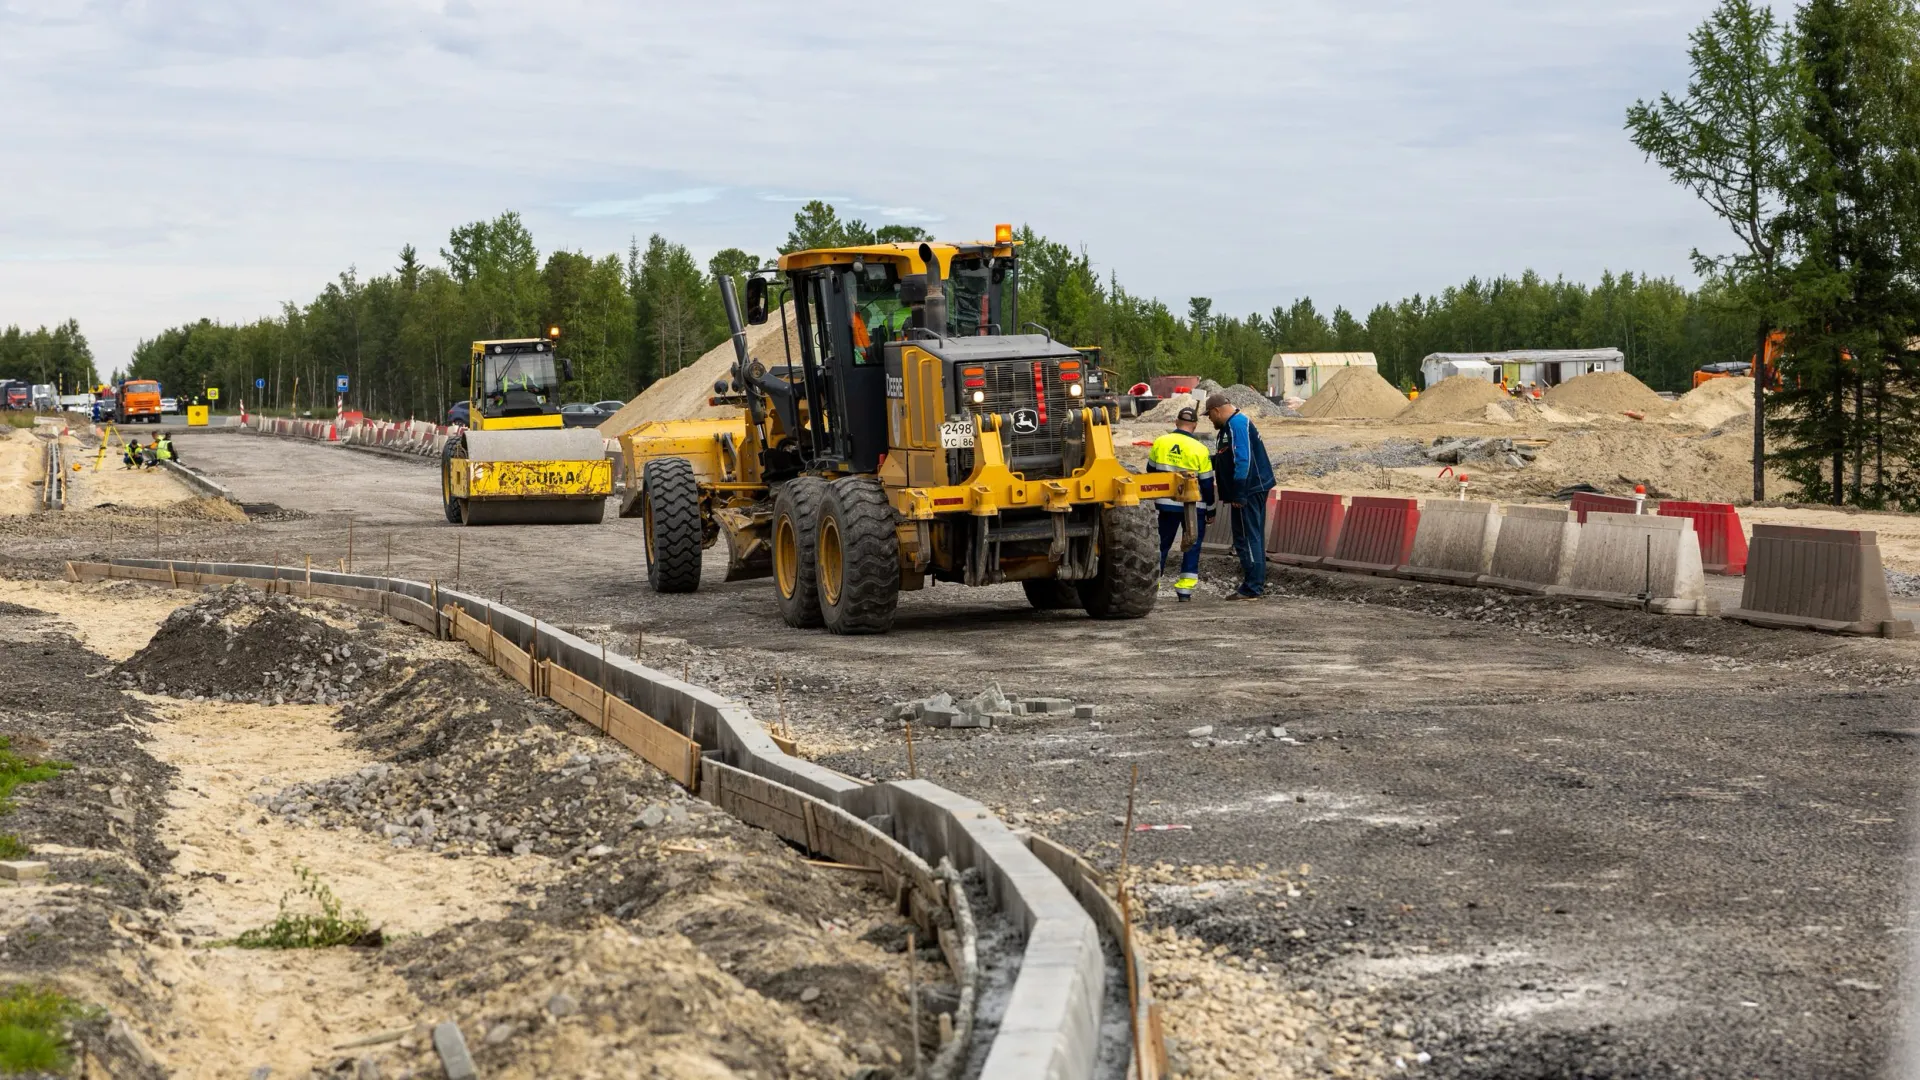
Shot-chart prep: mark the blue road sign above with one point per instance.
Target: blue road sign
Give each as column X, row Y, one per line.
column 340, row 384
column 259, row 384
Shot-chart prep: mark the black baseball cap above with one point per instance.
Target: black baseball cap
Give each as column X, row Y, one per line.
column 1187, row 416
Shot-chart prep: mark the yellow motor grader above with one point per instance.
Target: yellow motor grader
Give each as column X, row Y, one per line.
column 912, row 440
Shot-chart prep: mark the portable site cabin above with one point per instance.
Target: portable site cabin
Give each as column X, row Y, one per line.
column 1301, row 375
column 1522, row 367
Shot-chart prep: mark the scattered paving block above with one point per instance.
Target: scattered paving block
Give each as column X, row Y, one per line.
column 933, row 717
column 1040, row 705
column 971, row 720
column 1085, row 712
column 23, row 870
column 453, row 1051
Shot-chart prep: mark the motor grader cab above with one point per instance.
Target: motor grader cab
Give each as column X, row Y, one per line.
column 517, row 463
column 913, row 439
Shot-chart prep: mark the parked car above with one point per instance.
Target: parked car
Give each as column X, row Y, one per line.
column 609, row 407
column 169, row 406
column 581, row 414
column 458, row 414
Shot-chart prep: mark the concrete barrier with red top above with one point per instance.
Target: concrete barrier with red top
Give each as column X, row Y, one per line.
column 1303, row 527
column 1818, row 579
column 1723, row 544
column 1377, row 535
column 1587, row 502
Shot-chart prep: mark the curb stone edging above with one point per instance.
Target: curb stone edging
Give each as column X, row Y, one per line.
column 1050, row 1027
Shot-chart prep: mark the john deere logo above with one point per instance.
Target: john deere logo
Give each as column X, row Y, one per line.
column 1025, row 421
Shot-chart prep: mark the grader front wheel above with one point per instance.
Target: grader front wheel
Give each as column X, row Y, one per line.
column 670, row 497
column 858, row 557
column 796, row 572
column 1126, row 586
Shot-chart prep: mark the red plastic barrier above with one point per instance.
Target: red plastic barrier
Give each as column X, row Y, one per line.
column 1723, row 544
column 1303, row 527
column 1585, row 503
column 1377, row 535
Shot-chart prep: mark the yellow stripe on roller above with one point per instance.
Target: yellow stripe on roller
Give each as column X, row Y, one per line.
column 539, row 479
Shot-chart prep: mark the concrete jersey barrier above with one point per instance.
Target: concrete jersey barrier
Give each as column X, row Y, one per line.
column 1639, row 560
column 1049, row 1029
column 1453, row 542
column 1818, row 579
column 1535, row 550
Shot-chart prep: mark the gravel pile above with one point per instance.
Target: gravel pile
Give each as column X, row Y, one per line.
column 240, row 644
column 477, row 776
column 1393, row 453
column 1245, row 398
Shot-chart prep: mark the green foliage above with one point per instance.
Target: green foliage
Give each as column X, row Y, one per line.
column 307, row 929
column 59, row 356
column 16, row 770
column 12, row 847
column 32, row 1030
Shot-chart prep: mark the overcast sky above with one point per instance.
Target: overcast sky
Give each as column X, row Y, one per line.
column 165, row 161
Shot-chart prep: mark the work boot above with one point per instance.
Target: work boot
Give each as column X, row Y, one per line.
column 1184, row 585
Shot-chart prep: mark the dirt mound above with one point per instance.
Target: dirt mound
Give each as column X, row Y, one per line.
column 1253, row 402
column 1716, row 402
column 1355, row 393
column 239, row 644
column 1713, row 467
column 1458, row 400
column 1608, row 392
column 683, row 395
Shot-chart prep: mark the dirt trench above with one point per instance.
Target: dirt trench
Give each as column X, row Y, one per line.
column 568, row 909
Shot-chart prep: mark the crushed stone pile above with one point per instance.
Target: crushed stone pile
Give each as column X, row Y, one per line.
column 683, row 395
column 1319, row 460
column 1715, row 403
column 240, row 644
column 1355, row 393
column 1608, row 392
column 1459, row 399
column 1244, row 397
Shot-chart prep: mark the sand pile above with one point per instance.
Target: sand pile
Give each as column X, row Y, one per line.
column 1355, row 393
column 1461, row 399
column 683, row 395
column 1608, row 393
column 1716, row 402
column 1713, row 467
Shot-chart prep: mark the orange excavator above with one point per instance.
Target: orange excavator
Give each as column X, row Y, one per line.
column 1741, row 369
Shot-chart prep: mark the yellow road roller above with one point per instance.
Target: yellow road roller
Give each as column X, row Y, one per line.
column 516, row 463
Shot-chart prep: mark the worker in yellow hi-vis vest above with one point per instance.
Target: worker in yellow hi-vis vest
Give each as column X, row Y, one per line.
column 1179, row 451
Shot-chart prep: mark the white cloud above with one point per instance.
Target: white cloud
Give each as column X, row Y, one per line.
column 222, row 155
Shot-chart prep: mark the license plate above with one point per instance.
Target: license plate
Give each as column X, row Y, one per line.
column 956, row 434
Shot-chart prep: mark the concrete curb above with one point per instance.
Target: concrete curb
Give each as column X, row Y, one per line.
column 1050, row 1027
column 200, row 482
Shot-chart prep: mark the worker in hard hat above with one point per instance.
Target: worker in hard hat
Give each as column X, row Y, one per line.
column 1179, row 451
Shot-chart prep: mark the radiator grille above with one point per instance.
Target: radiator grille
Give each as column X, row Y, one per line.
column 1010, row 392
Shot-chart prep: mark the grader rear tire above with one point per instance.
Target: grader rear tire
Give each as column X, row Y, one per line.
column 670, row 501
column 796, row 529
column 858, row 557
column 1127, row 584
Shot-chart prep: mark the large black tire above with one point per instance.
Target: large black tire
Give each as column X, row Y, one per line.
column 1051, row 594
column 858, row 557
column 1127, row 584
column 670, row 508
column 796, row 530
column 453, row 506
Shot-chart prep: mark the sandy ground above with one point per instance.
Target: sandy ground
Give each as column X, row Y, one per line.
column 115, row 619
column 1548, row 839
column 238, row 1009
column 21, row 461
column 123, row 487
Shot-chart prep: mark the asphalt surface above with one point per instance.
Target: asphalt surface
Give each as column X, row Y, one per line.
column 1569, row 841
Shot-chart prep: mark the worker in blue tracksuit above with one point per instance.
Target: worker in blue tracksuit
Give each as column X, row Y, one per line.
column 1178, row 451
column 1243, row 476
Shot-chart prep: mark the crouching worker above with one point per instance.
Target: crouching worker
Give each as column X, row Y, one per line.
column 1178, row 451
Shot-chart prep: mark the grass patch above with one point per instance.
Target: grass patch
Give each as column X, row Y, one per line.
column 16, row 770
column 33, row 1030
column 12, row 848
column 294, row 929
column 18, row 419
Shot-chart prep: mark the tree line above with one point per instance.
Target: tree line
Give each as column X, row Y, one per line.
column 1803, row 136
column 59, row 356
